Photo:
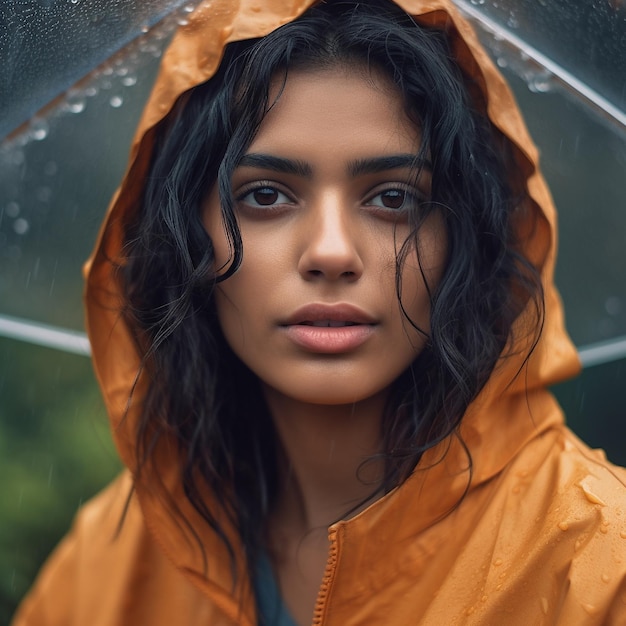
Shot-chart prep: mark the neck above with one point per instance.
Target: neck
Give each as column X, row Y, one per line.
column 324, row 477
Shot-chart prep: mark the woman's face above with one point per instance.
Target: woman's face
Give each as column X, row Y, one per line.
column 322, row 197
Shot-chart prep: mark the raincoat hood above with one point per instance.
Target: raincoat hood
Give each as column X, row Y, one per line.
column 510, row 411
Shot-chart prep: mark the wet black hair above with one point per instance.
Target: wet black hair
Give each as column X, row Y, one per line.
column 168, row 278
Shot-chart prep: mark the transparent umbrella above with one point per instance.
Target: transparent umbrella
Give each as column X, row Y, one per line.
column 73, row 79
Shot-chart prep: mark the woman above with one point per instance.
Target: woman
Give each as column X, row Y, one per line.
column 323, row 319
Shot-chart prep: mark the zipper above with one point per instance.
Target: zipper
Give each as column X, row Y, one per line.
column 329, row 574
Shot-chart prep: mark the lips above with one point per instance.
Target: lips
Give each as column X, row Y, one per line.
column 329, row 329
column 328, row 324
column 329, row 315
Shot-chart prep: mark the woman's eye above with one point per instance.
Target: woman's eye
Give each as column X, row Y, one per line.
column 265, row 196
column 395, row 199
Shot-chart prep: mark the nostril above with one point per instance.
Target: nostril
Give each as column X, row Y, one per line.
column 322, row 273
column 331, row 257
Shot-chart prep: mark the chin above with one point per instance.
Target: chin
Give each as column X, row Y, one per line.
column 330, row 393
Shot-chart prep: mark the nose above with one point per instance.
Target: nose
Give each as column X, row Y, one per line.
column 330, row 249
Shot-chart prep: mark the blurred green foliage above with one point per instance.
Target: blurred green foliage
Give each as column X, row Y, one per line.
column 55, row 452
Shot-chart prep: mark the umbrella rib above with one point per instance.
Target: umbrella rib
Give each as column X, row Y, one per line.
column 563, row 76
column 44, row 335
column 77, row 343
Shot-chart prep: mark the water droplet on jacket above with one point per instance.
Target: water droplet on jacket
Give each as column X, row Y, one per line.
column 605, row 578
column 545, row 605
column 622, row 534
column 497, row 562
column 144, row 28
column 478, row 2
column 129, row 81
column 182, row 21
column 189, row 8
column 563, row 526
column 502, row 62
column 470, row 610
column 21, row 226
column 91, row 91
column 116, row 102
column 484, row 599
column 12, row 209
column 592, row 497
column 590, row 608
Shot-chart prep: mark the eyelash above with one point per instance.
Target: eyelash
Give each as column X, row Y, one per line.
column 261, row 185
column 412, row 197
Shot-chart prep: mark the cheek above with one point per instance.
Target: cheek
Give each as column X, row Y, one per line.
column 227, row 313
column 214, row 226
column 434, row 247
column 232, row 302
column 227, row 292
column 242, row 299
column 423, row 269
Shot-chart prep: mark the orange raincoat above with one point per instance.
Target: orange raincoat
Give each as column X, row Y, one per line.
column 540, row 537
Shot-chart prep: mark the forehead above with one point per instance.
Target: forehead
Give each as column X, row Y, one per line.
column 335, row 111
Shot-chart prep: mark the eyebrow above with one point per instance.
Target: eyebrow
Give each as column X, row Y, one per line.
column 359, row 167
column 276, row 164
column 389, row 162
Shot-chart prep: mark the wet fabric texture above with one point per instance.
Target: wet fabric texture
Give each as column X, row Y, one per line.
column 539, row 538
